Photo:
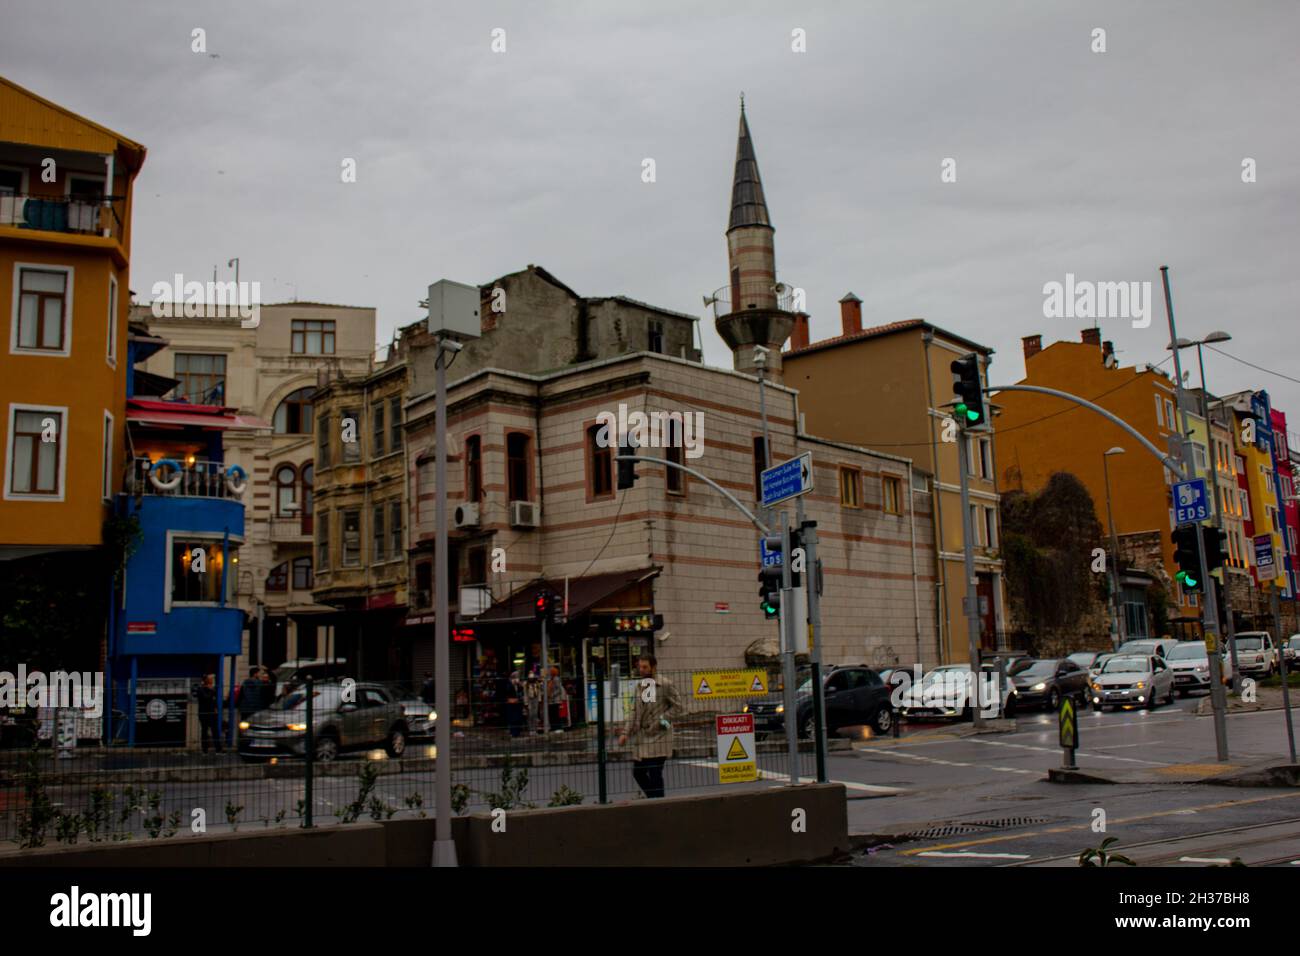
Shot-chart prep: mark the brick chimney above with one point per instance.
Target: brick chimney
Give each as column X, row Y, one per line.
column 1090, row 336
column 851, row 314
column 799, row 334
column 1033, row 345
column 1107, row 350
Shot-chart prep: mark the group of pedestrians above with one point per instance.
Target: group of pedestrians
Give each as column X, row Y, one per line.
column 525, row 700
column 257, row 692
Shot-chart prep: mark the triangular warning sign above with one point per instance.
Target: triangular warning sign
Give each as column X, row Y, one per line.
column 736, row 751
column 758, row 683
column 704, row 687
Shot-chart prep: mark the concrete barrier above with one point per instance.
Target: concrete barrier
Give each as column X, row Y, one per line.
column 739, row 828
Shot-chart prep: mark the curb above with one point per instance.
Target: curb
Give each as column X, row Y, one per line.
column 1260, row 775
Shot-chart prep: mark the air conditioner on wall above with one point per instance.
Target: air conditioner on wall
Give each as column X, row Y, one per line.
column 465, row 516
column 525, row 514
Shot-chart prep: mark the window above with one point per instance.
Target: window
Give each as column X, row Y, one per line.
column 395, row 424
column 106, row 478
column 760, row 446
column 286, row 491
column 36, row 466
column 293, row 416
column 302, row 576
column 656, row 337
column 377, row 430
column 308, row 472
column 351, row 449
column 985, row 447
column 278, row 579
column 11, row 182
column 202, row 377
column 891, row 495
column 197, row 569
column 323, row 441
column 990, row 528
column 517, row 447
column 474, row 468
column 675, row 479
column 378, row 539
column 1245, row 505
column 975, row 526
column 850, row 488
column 395, row 528
column 1159, row 419
column 1200, row 457
column 1169, row 416
column 600, row 464
column 476, row 566
column 424, row 584
column 351, row 539
column 112, row 321
column 44, row 311
column 323, row 541
column 312, row 337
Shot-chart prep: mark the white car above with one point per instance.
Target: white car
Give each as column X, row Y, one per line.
column 947, row 692
column 1148, row 645
column 1256, row 653
column 1190, row 664
column 1129, row 680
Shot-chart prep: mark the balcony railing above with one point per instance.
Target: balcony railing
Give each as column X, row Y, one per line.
column 751, row 295
column 60, row 214
column 291, row 529
column 196, row 478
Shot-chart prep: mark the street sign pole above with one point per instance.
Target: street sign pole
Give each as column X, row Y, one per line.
column 972, row 590
column 1209, row 606
column 1213, row 461
column 787, row 654
column 1281, row 663
column 444, row 846
column 815, row 655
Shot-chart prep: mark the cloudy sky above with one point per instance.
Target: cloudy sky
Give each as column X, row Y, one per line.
column 471, row 164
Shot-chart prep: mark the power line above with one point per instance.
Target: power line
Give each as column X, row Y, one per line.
column 1253, row 365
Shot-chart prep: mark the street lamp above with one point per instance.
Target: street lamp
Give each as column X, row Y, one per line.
column 1213, row 468
column 1117, row 621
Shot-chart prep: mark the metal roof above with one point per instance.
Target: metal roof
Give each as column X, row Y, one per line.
column 748, row 207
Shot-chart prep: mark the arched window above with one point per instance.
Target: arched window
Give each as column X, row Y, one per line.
column 286, row 492
column 278, row 579
column 293, row 417
column 308, row 473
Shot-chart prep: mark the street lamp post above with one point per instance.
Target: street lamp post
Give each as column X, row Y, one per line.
column 1117, row 620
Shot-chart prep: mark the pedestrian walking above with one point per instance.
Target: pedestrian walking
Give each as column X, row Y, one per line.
column 249, row 699
column 533, row 701
column 426, row 689
column 650, row 728
column 559, row 697
column 206, row 695
column 512, row 692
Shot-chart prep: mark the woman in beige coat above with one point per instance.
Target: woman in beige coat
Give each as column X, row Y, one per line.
column 655, row 707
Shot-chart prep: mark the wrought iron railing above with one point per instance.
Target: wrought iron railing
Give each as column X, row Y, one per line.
column 189, row 478
column 753, row 295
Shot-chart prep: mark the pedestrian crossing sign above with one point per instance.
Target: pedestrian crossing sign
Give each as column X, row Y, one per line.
column 747, row 683
column 737, row 755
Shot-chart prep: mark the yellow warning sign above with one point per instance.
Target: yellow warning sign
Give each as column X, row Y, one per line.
column 748, row 683
column 737, row 751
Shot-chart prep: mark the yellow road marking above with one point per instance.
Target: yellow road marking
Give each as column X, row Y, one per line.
column 1006, row 837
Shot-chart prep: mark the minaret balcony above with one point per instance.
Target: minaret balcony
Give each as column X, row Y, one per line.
column 756, row 296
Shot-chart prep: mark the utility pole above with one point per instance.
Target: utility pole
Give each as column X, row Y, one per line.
column 787, row 654
column 1281, row 663
column 1114, row 553
column 444, row 846
column 970, row 603
column 1209, row 606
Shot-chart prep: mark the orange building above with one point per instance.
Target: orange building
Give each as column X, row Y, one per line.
column 65, row 241
column 1040, row 434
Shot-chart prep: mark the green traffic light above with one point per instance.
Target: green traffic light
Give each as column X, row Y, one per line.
column 1185, row 579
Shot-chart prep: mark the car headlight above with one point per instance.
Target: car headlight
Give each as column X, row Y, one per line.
column 1040, row 686
column 296, row 727
column 1094, row 685
column 745, row 709
column 1140, row 684
column 780, row 708
column 243, row 725
column 433, row 715
column 1203, row 667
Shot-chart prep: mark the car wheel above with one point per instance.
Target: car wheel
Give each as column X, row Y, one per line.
column 1182, row 693
column 1169, row 698
column 1151, row 702
column 1054, row 700
column 396, row 743
column 1009, row 709
column 807, row 727
column 327, row 748
column 884, row 720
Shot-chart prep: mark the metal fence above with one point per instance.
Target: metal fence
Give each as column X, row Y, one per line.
column 508, row 751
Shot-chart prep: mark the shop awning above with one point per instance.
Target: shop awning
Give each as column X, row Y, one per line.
column 185, row 415
column 585, row 593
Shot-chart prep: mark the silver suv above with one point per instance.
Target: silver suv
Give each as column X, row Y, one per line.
column 370, row 717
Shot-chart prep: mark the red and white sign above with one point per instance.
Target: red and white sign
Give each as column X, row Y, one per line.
column 722, row 607
column 737, row 752
column 141, row 627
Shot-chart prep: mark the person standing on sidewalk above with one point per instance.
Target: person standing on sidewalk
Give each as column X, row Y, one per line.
column 650, row 728
column 206, row 694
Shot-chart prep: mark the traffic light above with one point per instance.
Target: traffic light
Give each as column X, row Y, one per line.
column 769, row 579
column 1185, row 538
column 546, row 605
column 627, row 475
column 968, row 393
column 1215, row 547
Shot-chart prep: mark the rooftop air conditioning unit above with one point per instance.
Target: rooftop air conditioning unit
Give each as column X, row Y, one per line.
column 466, row 515
column 525, row 514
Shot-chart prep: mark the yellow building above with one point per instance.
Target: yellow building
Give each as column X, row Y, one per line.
column 65, row 241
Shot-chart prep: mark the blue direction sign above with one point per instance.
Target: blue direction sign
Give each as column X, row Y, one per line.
column 770, row 558
column 790, row 479
column 1191, row 502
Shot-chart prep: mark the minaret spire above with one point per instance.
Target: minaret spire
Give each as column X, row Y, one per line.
column 748, row 207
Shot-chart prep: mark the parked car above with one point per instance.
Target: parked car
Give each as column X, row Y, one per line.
column 1289, row 648
column 1095, row 668
column 854, row 695
column 1190, row 664
column 1256, row 653
column 1042, row 683
column 371, row 717
column 1146, row 646
column 420, row 717
column 1128, row 679
column 292, row 674
column 945, row 692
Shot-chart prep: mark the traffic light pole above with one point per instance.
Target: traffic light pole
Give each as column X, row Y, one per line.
column 811, row 583
column 1209, row 605
column 787, row 655
column 971, row 600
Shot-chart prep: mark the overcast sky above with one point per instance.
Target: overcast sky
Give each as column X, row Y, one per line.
column 472, row 164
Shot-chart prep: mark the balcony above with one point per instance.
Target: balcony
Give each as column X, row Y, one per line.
column 291, row 530
column 195, row 478
column 751, row 295
column 61, row 214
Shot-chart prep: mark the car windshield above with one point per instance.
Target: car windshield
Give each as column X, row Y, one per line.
column 945, row 674
column 1137, row 647
column 1126, row 665
column 1249, row 643
column 1189, row 651
column 1084, row 658
column 1034, row 669
column 326, row 697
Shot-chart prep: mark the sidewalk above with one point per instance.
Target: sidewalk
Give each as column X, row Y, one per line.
column 1245, row 771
